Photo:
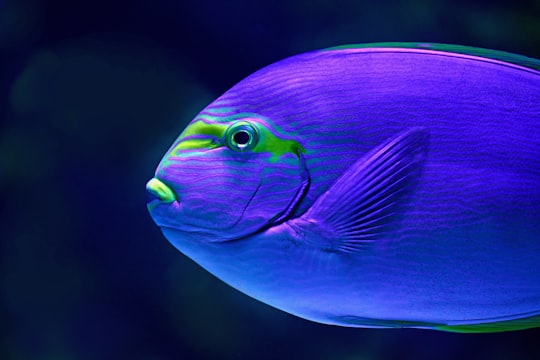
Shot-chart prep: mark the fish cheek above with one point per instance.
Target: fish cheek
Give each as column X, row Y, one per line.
column 282, row 183
column 248, row 193
column 228, row 195
column 214, row 193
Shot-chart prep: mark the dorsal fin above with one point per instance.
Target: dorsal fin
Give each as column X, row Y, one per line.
column 456, row 49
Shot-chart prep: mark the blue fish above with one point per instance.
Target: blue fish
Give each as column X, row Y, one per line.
column 382, row 185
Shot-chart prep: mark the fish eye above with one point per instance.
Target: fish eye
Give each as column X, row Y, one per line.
column 241, row 136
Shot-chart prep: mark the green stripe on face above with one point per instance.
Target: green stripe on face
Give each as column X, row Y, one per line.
column 205, row 135
column 191, row 144
column 201, row 135
column 276, row 146
column 201, row 127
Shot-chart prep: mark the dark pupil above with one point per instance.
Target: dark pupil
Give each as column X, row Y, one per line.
column 241, row 138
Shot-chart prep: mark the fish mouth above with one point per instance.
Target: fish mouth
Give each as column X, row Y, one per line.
column 162, row 192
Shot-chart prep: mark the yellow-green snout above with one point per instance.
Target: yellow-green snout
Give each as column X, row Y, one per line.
column 159, row 189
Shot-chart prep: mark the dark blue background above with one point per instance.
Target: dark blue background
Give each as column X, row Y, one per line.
column 94, row 92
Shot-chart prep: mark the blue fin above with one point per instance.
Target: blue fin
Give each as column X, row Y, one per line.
column 488, row 325
column 455, row 49
column 521, row 323
column 365, row 199
column 356, row 321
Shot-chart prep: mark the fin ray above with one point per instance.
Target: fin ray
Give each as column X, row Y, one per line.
column 364, row 199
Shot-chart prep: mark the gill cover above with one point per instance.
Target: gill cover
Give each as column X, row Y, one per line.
column 232, row 177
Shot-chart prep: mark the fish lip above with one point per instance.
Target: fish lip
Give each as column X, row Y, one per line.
column 154, row 203
column 161, row 190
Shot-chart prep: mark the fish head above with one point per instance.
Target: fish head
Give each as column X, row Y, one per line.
column 226, row 177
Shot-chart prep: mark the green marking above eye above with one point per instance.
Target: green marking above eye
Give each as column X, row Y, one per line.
column 248, row 134
column 254, row 136
column 241, row 136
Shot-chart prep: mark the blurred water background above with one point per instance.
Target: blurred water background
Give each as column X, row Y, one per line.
column 94, row 92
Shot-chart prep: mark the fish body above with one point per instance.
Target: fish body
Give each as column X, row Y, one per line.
column 381, row 185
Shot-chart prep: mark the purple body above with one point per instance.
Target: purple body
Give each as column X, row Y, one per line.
column 423, row 204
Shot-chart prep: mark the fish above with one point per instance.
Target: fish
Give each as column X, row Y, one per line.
column 382, row 185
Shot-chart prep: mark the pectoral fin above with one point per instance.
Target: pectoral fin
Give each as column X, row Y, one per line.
column 364, row 201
